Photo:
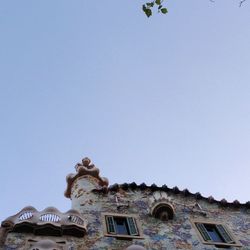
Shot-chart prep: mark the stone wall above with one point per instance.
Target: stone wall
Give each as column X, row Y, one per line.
column 178, row 233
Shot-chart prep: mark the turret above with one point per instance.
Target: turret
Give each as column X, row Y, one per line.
column 81, row 186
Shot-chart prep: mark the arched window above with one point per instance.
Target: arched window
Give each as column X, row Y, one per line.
column 163, row 211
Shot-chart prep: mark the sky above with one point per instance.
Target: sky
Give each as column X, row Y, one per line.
column 162, row 100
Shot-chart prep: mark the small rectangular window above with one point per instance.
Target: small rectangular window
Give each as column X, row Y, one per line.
column 216, row 234
column 121, row 225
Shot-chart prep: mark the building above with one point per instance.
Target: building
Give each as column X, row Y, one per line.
column 128, row 216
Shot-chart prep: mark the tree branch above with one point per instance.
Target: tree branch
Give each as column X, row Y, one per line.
column 241, row 2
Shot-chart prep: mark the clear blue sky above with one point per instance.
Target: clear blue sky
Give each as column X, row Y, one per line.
column 164, row 100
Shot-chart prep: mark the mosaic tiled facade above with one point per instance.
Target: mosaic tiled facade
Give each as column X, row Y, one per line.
column 128, row 216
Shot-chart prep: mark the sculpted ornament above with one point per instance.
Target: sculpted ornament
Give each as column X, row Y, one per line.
column 85, row 168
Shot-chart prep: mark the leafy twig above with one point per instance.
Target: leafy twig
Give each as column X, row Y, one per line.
column 147, row 7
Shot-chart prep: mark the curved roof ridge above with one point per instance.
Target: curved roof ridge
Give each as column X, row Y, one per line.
column 176, row 190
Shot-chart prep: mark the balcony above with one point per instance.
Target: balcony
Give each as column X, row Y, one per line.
column 50, row 222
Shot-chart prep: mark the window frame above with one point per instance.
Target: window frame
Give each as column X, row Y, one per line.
column 235, row 242
column 124, row 216
column 62, row 244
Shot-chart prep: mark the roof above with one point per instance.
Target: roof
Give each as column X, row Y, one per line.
column 175, row 190
column 86, row 168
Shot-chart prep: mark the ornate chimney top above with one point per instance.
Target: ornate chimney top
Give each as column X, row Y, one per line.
column 85, row 168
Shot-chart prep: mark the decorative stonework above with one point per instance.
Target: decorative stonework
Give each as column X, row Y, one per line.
column 85, row 169
column 162, row 210
column 161, row 207
column 50, row 222
column 45, row 245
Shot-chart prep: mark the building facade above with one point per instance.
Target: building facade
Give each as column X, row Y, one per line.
column 128, row 216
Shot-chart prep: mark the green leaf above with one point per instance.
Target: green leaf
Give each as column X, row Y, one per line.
column 160, row 6
column 148, row 12
column 150, row 4
column 158, row 2
column 164, row 11
column 144, row 8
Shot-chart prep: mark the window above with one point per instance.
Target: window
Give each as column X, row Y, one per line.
column 216, row 234
column 124, row 226
column 163, row 211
